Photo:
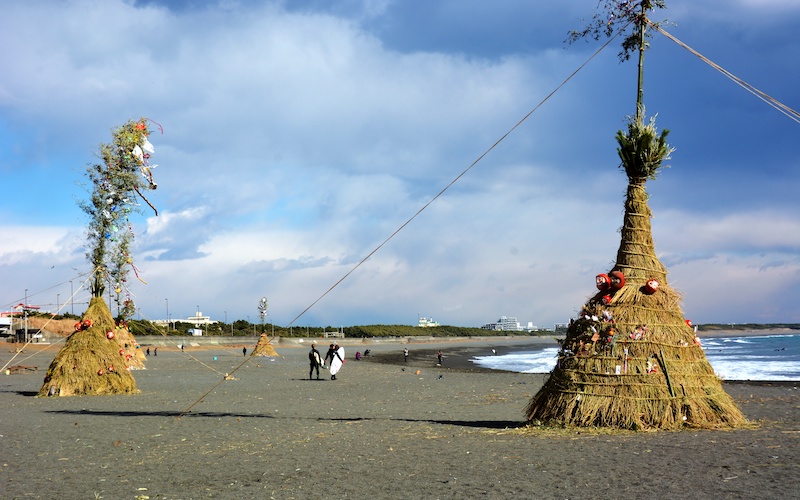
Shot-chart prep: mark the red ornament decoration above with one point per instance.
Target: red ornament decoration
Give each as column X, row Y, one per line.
column 602, row 281
column 87, row 323
column 651, row 286
column 121, row 352
column 78, row 326
column 100, row 371
column 617, row 279
column 111, row 369
column 689, row 323
column 606, row 300
column 109, row 335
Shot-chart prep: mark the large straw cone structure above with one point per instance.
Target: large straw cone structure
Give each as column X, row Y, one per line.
column 631, row 360
column 90, row 362
column 264, row 347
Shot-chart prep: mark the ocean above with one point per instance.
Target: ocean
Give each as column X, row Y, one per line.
column 769, row 357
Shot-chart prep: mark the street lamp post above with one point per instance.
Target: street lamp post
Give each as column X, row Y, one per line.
column 25, row 314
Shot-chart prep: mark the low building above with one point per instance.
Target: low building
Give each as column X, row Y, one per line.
column 427, row 323
column 504, row 324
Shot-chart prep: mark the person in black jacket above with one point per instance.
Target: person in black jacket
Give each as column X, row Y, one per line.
column 314, row 361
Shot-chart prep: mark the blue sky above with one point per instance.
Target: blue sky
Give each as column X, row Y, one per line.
column 298, row 135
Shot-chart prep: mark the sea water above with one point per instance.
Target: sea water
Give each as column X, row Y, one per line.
column 769, row 357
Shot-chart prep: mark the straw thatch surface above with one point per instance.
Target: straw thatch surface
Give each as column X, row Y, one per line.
column 134, row 357
column 630, row 359
column 264, row 347
column 90, row 363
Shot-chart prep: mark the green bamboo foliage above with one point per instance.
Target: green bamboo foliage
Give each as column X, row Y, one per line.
column 117, row 184
column 641, row 148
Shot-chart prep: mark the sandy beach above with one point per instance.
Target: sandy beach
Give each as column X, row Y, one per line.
column 383, row 429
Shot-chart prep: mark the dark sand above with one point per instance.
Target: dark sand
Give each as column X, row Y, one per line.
column 380, row 431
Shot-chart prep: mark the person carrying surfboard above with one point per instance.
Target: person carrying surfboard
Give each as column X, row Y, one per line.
column 314, row 360
column 337, row 360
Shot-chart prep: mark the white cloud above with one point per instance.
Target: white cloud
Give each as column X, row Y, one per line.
column 295, row 142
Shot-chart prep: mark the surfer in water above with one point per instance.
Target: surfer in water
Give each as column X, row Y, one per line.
column 314, row 361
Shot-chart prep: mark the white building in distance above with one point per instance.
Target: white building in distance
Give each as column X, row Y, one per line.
column 504, row 324
column 427, row 323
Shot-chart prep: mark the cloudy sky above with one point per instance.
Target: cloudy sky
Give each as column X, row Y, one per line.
column 299, row 135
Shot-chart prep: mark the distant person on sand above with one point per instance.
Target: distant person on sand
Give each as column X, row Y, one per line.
column 155, row 351
column 244, row 351
column 439, row 358
column 405, row 355
column 148, row 351
column 314, row 361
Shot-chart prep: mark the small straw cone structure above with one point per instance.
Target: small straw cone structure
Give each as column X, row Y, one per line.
column 631, row 360
column 90, row 363
column 264, row 347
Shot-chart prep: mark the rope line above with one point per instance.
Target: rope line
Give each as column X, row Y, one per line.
column 407, row 222
column 784, row 109
column 459, row 176
column 21, row 349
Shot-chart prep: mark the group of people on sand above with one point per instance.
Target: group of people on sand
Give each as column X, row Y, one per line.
column 336, row 356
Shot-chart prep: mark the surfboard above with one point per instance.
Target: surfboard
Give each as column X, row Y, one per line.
column 336, row 364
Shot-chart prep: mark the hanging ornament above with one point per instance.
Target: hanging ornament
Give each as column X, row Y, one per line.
column 148, row 147
column 121, row 352
column 606, row 300
column 111, row 369
column 651, row 286
column 109, row 335
column 138, row 154
column 617, row 279
column 87, row 323
column 100, row 371
column 602, row 281
column 689, row 323
column 78, row 326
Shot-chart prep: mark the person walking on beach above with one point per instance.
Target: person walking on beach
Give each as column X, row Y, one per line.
column 439, row 358
column 148, row 351
column 405, row 354
column 314, row 361
column 244, row 351
column 155, row 351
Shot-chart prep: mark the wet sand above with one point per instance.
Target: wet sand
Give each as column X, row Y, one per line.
column 381, row 430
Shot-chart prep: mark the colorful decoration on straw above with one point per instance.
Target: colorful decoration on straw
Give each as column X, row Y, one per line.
column 602, row 281
column 651, row 286
column 617, row 279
